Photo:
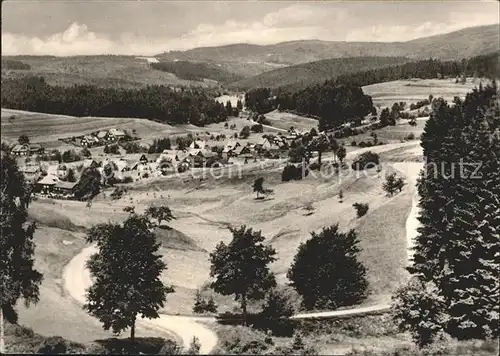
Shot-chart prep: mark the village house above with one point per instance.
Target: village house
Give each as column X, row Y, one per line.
column 31, row 173
column 20, row 150
column 228, row 150
column 90, row 163
column 198, row 144
column 102, row 136
column 240, row 150
column 46, row 184
column 116, row 134
column 65, row 189
column 89, row 141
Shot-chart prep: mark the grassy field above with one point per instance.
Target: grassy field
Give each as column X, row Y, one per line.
column 409, row 91
column 103, row 71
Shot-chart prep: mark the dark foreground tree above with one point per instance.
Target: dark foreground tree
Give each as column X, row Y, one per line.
column 326, row 271
column 18, row 277
column 458, row 243
column 127, row 272
column 241, row 268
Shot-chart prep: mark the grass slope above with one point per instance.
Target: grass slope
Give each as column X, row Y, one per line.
column 305, row 74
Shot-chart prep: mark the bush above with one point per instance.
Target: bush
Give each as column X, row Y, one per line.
column 170, row 348
column 118, row 192
column 409, row 137
column 204, row 305
column 314, row 166
column 365, row 160
column 393, row 183
column 353, row 143
column 257, row 128
column 292, row 172
column 361, row 209
column 245, row 132
column 127, row 179
column 52, row 345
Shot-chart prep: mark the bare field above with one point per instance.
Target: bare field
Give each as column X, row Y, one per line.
column 284, row 120
column 48, row 128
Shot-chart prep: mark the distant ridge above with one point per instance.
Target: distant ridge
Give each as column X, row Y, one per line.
column 467, row 42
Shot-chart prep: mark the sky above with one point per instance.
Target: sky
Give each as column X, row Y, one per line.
column 147, row 27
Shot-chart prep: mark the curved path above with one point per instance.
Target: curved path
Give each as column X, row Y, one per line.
column 77, row 279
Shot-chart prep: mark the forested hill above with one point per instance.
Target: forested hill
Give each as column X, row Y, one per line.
column 369, row 70
column 158, row 103
column 196, row 71
column 341, row 99
column 302, row 75
column 467, row 42
column 484, row 66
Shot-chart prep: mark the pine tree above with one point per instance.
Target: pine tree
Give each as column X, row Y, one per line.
column 471, row 280
column 458, row 245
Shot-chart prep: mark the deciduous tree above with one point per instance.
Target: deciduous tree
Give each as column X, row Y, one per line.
column 18, row 277
column 241, row 268
column 326, row 271
column 127, row 274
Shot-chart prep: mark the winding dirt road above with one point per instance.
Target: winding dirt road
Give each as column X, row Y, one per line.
column 77, row 279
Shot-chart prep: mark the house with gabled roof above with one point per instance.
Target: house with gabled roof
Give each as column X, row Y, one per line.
column 116, row 134
column 198, row 144
column 89, row 141
column 20, row 150
column 66, row 189
column 240, row 150
column 46, row 184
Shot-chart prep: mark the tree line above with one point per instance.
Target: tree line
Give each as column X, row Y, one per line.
column 479, row 66
column 156, row 102
column 330, row 103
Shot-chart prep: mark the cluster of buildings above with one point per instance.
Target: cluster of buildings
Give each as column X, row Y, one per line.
column 27, row 149
column 99, row 138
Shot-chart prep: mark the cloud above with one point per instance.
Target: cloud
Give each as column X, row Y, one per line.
column 292, row 22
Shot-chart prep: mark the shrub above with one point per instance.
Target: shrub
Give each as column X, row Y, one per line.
column 393, row 183
column 365, row 160
column 257, row 128
column 52, row 345
column 118, row 192
column 127, row 179
column 204, row 305
column 245, row 132
column 353, row 143
column 292, row 172
column 314, row 166
column 410, row 136
column 170, row 348
column 361, row 209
